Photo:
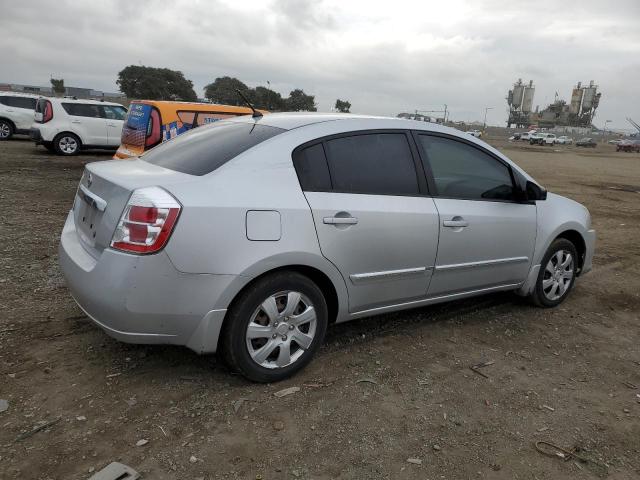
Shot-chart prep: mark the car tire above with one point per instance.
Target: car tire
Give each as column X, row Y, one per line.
column 557, row 274
column 265, row 323
column 67, row 144
column 6, row 130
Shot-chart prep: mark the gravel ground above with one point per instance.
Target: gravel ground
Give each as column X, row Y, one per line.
column 389, row 397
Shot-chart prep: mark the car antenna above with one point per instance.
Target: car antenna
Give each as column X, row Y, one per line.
column 256, row 113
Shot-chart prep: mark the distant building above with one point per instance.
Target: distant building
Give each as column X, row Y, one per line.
column 79, row 92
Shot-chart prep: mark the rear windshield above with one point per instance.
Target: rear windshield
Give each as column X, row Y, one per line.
column 204, row 149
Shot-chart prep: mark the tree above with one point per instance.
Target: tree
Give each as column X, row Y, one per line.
column 155, row 84
column 267, row 99
column 300, row 101
column 58, row 86
column 223, row 90
column 343, row 106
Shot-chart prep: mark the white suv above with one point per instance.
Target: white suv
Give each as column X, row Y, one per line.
column 16, row 113
column 67, row 125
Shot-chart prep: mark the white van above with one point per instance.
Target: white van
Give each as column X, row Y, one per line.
column 67, row 125
column 16, row 113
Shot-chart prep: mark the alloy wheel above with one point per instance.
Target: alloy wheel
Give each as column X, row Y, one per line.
column 281, row 329
column 68, row 145
column 5, row 130
column 558, row 275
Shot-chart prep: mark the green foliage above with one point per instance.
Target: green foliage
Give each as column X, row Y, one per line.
column 58, row 85
column 223, row 91
column 155, row 84
column 299, row 101
column 343, row 106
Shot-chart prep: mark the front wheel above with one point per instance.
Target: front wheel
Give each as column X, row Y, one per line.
column 67, row 144
column 557, row 274
column 275, row 327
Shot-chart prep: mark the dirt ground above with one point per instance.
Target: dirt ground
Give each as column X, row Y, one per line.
column 381, row 391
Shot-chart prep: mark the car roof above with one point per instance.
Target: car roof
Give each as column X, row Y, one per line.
column 290, row 121
column 79, row 100
column 8, row 93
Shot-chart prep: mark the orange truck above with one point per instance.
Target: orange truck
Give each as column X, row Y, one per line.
column 151, row 122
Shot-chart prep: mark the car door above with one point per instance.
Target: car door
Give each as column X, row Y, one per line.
column 87, row 120
column 21, row 111
column 373, row 218
column 114, row 115
column 487, row 236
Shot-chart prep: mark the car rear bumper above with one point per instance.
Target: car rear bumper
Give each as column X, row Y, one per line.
column 143, row 299
column 35, row 135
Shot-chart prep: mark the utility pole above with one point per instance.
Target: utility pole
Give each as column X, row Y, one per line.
column 485, row 117
column 445, row 114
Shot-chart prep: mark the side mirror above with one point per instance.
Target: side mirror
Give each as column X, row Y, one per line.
column 535, row 191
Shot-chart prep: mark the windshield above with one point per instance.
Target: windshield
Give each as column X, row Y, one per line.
column 206, row 148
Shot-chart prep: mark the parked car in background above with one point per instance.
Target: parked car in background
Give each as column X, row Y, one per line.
column 251, row 236
column 16, row 113
column 586, row 142
column 615, row 141
column 151, row 122
column 475, row 133
column 549, row 139
column 68, row 125
column 628, row 146
column 537, row 138
column 564, row 140
column 526, row 136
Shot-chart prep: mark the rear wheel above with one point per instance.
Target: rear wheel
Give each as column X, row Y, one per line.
column 275, row 327
column 557, row 274
column 6, row 130
column 67, row 144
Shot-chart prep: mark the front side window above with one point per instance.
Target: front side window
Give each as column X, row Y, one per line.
column 203, row 150
column 462, row 171
column 114, row 112
column 376, row 163
column 82, row 110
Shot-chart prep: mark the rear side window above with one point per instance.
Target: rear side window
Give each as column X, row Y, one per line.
column 377, row 164
column 19, row 102
column 83, row 110
column 203, row 150
column 462, row 171
column 312, row 169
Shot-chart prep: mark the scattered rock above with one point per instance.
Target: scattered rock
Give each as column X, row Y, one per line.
column 81, row 418
column 142, row 442
column 193, row 459
column 367, row 380
column 237, row 405
column 278, row 425
column 4, row 405
column 437, row 448
column 287, row 391
column 415, row 461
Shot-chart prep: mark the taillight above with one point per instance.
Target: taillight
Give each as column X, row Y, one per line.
column 48, row 112
column 147, row 221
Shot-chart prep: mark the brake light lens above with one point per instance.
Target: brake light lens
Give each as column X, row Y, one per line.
column 147, row 221
column 48, row 112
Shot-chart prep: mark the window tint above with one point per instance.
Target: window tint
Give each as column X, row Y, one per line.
column 463, row 171
column 83, row 110
column 113, row 112
column 378, row 164
column 202, row 150
column 311, row 167
column 19, row 102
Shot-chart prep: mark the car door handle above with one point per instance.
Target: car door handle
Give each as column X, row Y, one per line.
column 456, row 222
column 340, row 220
column 76, row 121
column 112, row 125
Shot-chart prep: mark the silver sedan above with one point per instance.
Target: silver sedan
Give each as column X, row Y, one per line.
column 250, row 236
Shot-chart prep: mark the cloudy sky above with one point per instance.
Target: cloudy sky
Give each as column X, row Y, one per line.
column 384, row 57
